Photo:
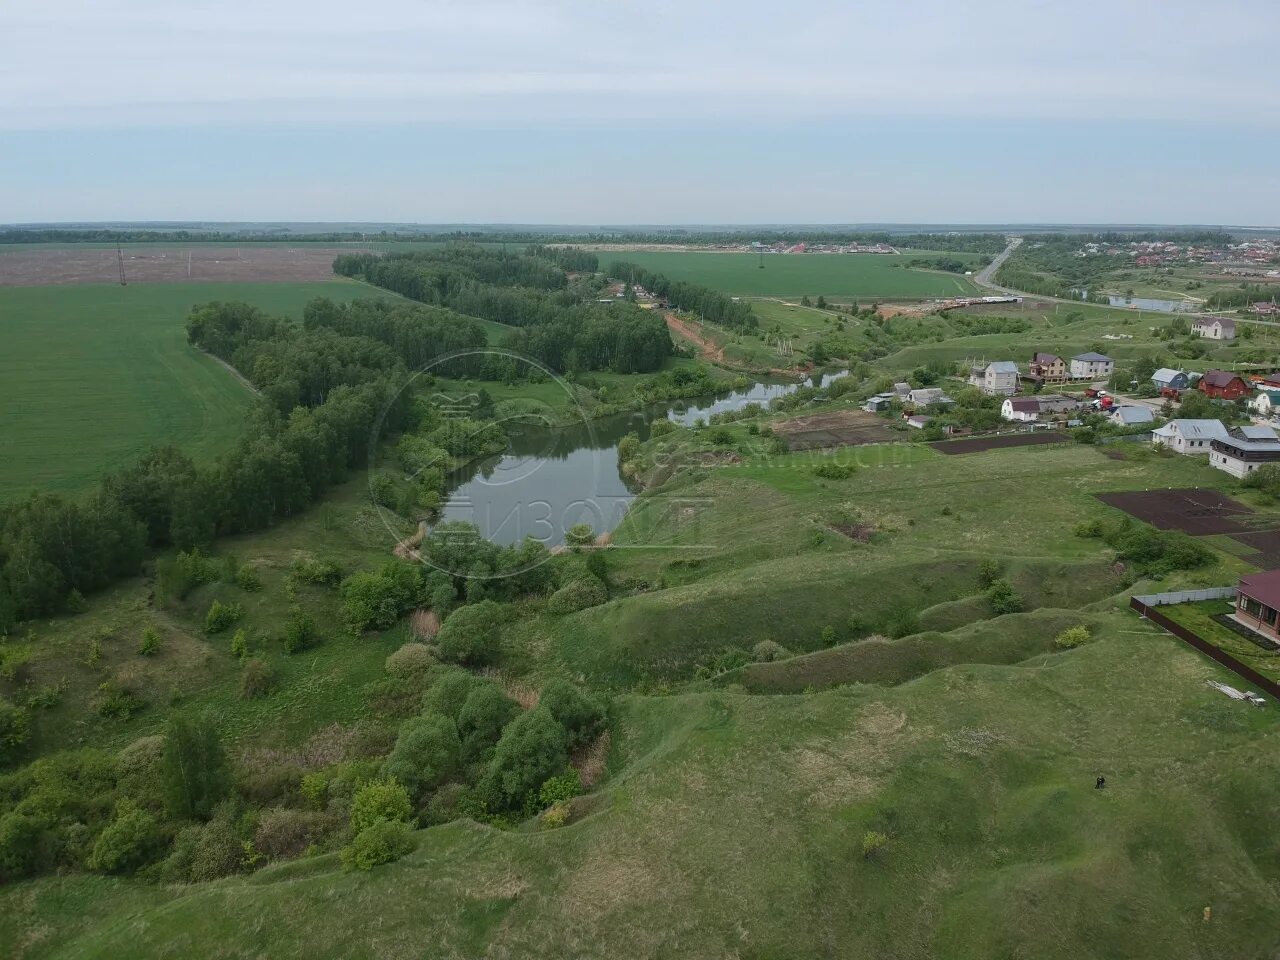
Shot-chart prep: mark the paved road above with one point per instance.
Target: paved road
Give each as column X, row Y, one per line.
column 984, row 279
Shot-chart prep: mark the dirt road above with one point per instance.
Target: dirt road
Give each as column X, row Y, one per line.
column 707, row 349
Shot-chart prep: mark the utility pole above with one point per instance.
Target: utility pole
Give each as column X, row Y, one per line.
column 120, row 262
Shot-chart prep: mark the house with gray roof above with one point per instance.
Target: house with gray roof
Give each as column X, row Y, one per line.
column 1239, row 455
column 1189, row 437
column 999, row 378
column 1091, row 366
column 1167, row 379
column 1130, row 415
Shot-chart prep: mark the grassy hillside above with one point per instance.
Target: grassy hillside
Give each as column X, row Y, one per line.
column 854, row 275
column 92, row 376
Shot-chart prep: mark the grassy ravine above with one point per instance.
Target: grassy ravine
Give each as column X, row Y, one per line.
column 92, row 376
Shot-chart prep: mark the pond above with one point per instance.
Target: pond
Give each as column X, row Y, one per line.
column 550, row 479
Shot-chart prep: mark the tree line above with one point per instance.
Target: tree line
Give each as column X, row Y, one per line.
column 710, row 305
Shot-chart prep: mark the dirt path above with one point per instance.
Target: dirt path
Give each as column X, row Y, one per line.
column 707, row 349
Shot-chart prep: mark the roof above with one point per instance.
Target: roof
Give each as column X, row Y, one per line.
column 1256, row 433
column 1002, row 366
column 1226, row 322
column 1263, row 587
column 1024, row 404
column 1133, row 414
column 1046, row 358
column 1220, row 378
column 1091, row 357
column 927, row 391
column 902, row 387
column 919, row 421
column 1194, row 429
column 1166, row 375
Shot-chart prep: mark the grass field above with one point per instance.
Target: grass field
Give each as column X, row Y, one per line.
column 91, row 376
column 844, row 276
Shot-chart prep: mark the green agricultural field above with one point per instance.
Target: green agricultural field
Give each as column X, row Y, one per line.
column 844, row 276
column 92, row 376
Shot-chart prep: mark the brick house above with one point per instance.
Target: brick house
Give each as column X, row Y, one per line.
column 1048, row 367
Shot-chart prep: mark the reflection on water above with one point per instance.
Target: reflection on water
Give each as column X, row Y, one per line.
column 550, row 479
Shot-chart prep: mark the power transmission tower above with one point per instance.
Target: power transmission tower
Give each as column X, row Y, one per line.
column 120, row 262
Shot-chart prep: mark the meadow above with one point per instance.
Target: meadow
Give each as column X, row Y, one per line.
column 841, row 276
column 91, row 376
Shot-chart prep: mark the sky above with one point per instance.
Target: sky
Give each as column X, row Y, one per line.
column 559, row 111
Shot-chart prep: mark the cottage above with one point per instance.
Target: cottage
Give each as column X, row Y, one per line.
column 879, row 402
column 1189, row 436
column 1091, row 366
column 1244, row 450
column 1048, row 367
column 923, row 396
column 1214, row 328
column 1025, row 409
column 1167, row 379
column 1131, row 415
column 1000, row 378
column 1266, row 403
column 1258, row 603
column 1222, row 385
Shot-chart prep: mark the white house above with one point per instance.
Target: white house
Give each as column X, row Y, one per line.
column 1189, row 436
column 1025, row 409
column 1266, row 403
column 1244, row 450
column 1214, row 328
column 1000, row 378
column 1091, row 366
column 1131, row 415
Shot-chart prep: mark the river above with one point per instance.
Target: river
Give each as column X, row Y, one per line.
column 548, row 480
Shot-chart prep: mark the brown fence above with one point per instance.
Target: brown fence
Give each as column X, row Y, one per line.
column 1207, row 648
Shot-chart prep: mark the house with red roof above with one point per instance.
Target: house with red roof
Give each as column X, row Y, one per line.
column 1223, row 385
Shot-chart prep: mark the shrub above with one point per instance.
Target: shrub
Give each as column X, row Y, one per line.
column 581, row 715
column 239, row 645
column 828, row 635
column 989, row 572
column 382, row 842
column 114, row 701
column 411, row 660
column 256, row 679
column 873, row 843
column 221, row 616
column 660, row 428
column 23, row 839
column 579, row 535
column 15, row 727
column 427, row 753
column 471, row 634
column 205, row 852
column 767, row 651
column 1087, row 529
column 830, row 470
column 720, row 436
column 283, row 833
column 1072, row 637
column 533, row 748
column 449, row 692
column 561, row 789
column 380, row 800
column 577, row 595
column 315, row 790
column 247, row 579
column 129, row 841
column 1002, row 597
column 628, row 447
column 904, row 623
column 556, row 815
column 483, row 716
column 1265, row 479
column 300, row 632
column 311, row 570
column 375, row 601
column 150, row 642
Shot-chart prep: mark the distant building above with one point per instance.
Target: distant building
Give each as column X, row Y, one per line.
column 1266, row 403
column 1245, row 450
column 999, row 378
column 1189, row 436
column 1025, row 409
column 1091, row 366
column 1048, row 367
column 902, row 388
column 1214, row 328
column 923, row 396
column 879, row 402
column 1222, row 385
column 1167, row 379
column 1258, row 603
column 1131, row 415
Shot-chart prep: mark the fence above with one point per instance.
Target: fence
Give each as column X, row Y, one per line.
column 1204, row 646
column 1188, row 596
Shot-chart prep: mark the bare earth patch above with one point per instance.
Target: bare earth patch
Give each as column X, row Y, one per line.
column 168, row 264
column 840, row 428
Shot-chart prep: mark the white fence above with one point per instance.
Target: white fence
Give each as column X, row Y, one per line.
column 1187, row 596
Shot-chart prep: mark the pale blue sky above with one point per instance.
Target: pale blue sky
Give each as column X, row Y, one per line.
column 590, row 112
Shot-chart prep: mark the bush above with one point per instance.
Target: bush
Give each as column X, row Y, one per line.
column 375, row 601
column 322, row 572
column 15, row 727
column 315, row 790
column 449, row 692
column 128, row 842
column 481, row 720
column 284, row 833
column 1088, row 529
column 24, row 840
column 533, row 748
column 767, row 651
column 1002, row 597
column 114, row 701
column 221, row 616
column 300, row 632
column 150, row 642
column 577, row 595
column 205, row 852
column 989, row 572
column 382, row 842
column 581, row 715
column 256, row 679
column 660, row 428
column 380, row 800
column 556, row 815
column 830, row 470
column 239, row 645
column 904, row 623
column 873, row 843
column 471, row 634
column 427, row 753
column 579, row 535
column 1265, row 479
column 561, row 789
column 247, row 579
column 411, row 660
column 1072, row 637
